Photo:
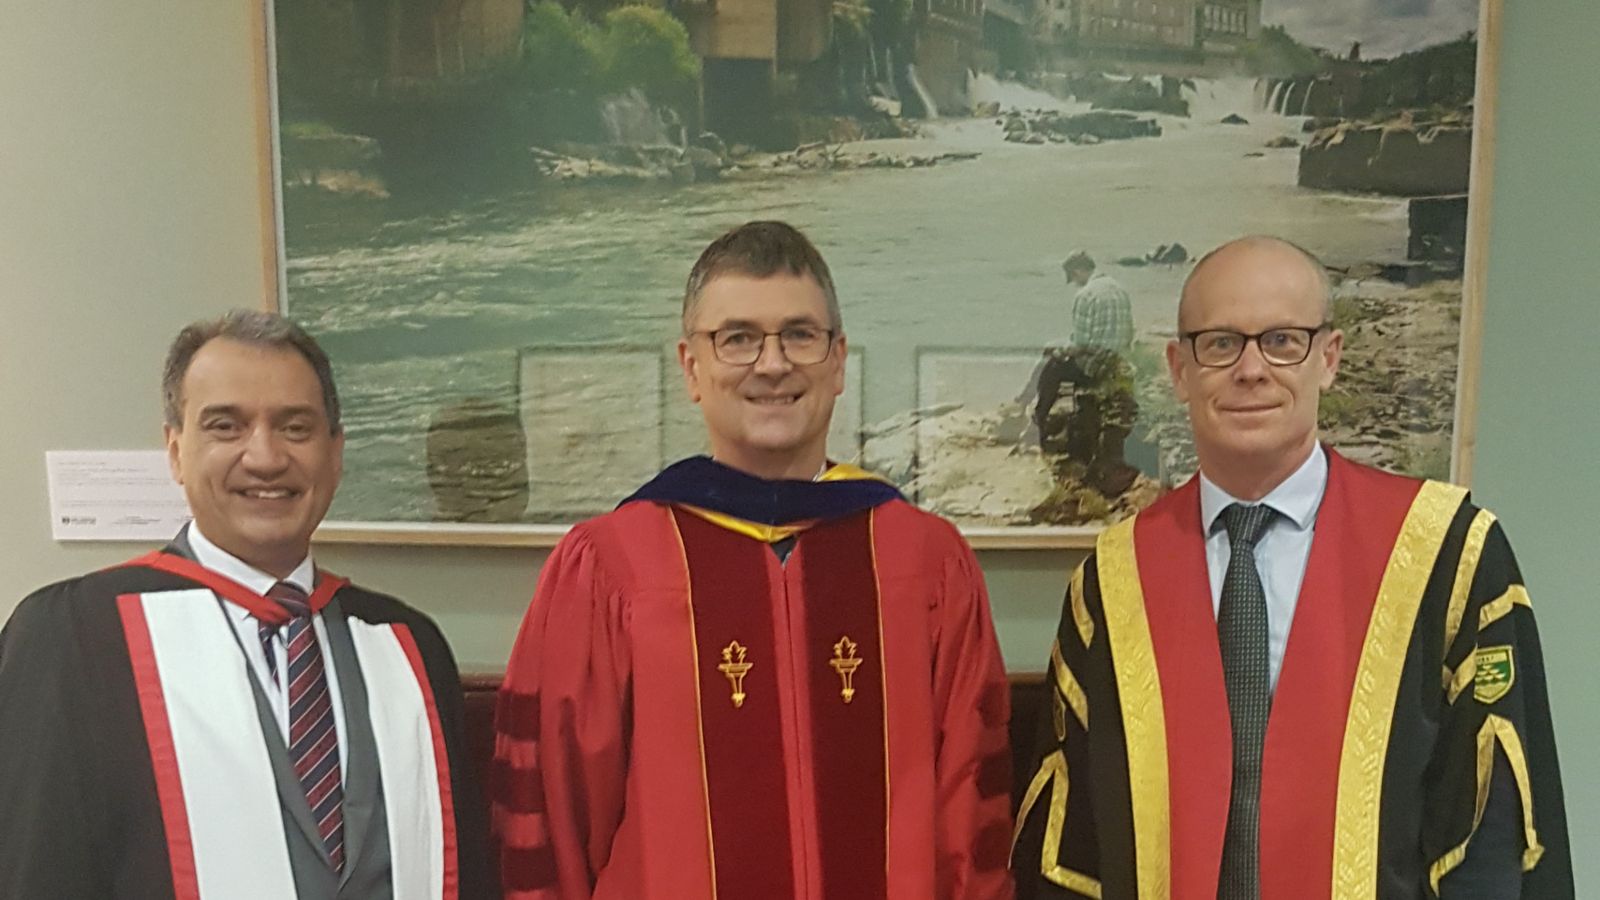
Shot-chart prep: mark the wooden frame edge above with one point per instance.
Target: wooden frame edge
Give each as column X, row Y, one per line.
column 432, row 534
column 266, row 153
column 1475, row 277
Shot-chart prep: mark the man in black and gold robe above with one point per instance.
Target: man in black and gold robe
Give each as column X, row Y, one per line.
column 1294, row 676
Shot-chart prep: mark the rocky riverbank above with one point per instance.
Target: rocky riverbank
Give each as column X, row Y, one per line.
column 1406, row 156
column 1053, row 127
column 657, row 164
column 1392, row 406
column 984, row 469
column 316, row 157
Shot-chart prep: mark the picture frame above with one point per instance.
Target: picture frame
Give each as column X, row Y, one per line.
column 280, row 273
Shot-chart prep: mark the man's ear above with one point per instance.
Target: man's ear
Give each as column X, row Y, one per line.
column 691, row 369
column 1175, row 370
column 844, row 358
column 338, row 455
column 174, row 464
column 1332, row 353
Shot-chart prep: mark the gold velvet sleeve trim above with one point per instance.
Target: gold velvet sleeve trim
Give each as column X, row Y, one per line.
column 1053, row 773
column 1511, row 743
column 1144, row 720
column 1067, row 684
column 1501, row 606
column 1495, row 730
column 1080, row 607
column 1377, row 681
column 1461, row 678
column 1466, row 569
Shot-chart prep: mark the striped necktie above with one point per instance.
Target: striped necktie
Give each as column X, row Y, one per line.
column 313, row 742
column 1242, row 634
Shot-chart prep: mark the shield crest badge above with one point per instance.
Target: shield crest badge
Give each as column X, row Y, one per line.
column 1495, row 672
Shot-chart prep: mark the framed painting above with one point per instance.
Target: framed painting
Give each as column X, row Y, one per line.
column 485, row 211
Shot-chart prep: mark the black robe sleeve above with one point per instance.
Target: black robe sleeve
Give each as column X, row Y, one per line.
column 78, row 810
column 1057, row 852
column 479, row 874
column 1498, row 825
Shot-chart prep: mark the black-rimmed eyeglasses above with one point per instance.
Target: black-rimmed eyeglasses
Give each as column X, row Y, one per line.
column 803, row 345
column 1217, row 348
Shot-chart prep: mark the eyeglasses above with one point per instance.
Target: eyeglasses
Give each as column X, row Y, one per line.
column 1218, row 349
column 802, row 345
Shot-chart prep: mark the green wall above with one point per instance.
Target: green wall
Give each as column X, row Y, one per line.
column 1538, row 436
column 128, row 207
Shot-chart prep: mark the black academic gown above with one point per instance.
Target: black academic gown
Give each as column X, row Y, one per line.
column 82, row 813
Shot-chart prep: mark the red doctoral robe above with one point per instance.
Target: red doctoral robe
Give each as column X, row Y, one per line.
column 685, row 716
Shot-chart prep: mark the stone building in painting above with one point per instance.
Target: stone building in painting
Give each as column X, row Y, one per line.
column 949, row 43
column 1190, row 31
column 742, row 45
column 395, row 49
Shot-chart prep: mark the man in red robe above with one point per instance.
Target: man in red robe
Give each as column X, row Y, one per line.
column 763, row 675
column 1294, row 676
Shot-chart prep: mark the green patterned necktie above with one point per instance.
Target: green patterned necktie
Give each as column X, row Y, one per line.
column 1246, row 669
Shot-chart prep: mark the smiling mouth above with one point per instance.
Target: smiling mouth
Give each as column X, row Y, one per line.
column 268, row 493
column 1249, row 409
column 774, row 401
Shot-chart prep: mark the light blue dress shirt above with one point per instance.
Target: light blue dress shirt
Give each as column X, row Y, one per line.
column 1282, row 551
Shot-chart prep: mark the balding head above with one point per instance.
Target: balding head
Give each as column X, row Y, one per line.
column 1294, row 267
column 1254, row 418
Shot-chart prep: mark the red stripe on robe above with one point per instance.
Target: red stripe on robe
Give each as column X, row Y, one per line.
column 163, row 751
column 516, row 715
column 269, row 611
column 1171, row 554
column 451, row 886
column 1356, row 526
column 745, row 777
column 848, row 739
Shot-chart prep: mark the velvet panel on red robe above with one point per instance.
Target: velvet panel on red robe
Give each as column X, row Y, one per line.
column 686, row 716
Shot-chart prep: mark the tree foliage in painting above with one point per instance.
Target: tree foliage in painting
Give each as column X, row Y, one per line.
column 630, row 47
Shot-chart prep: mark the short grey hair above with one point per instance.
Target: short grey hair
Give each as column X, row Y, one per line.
column 1324, row 280
column 261, row 329
column 760, row 250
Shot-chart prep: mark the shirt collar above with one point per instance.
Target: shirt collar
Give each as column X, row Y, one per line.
column 1296, row 498
column 224, row 563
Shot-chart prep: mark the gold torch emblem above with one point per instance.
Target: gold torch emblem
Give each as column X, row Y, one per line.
column 845, row 662
column 734, row 666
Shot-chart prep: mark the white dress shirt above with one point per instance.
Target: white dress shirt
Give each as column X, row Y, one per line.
column 1282, row 551
column 248, row 628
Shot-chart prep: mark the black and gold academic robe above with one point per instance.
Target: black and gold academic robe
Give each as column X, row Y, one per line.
column 1412, row 665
